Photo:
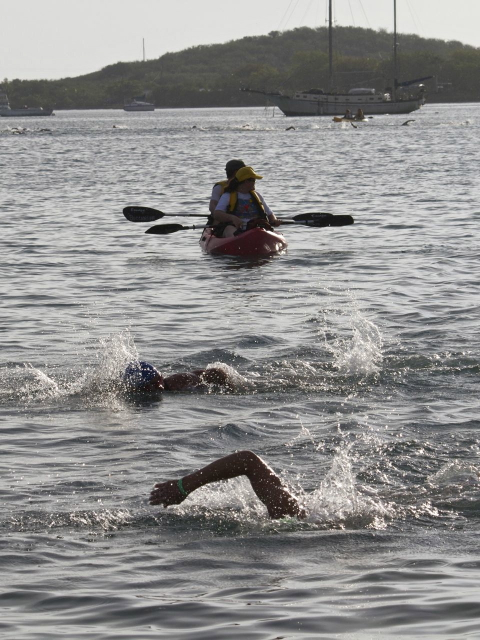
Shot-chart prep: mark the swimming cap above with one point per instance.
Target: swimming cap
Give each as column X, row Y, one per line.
column 139, row 374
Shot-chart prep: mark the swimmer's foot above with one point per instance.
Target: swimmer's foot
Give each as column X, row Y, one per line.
column 166, row 493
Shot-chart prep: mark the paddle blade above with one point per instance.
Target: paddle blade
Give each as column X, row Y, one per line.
column 142, row 214
column 323, row 219
column 340, row 221
column 334, row 221
column 312, row 216
column 165, row 229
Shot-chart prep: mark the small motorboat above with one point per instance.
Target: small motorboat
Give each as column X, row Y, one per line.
column 7, row 112
column 253, row 242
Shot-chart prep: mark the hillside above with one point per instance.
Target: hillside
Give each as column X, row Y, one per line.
column 212, row 75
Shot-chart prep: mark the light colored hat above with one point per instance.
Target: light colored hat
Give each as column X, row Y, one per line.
column 245, row 173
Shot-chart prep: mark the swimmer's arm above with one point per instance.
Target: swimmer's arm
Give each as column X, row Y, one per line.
column 266, row 484
column 182, row 381
column 214, row 375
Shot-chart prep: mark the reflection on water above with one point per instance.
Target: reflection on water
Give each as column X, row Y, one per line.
column 355, row 359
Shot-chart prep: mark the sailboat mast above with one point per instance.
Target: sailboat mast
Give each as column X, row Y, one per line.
column 330, row 44
column 395, row 64
column 143, row 40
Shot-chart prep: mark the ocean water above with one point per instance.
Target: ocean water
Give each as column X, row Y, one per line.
column 356, row 362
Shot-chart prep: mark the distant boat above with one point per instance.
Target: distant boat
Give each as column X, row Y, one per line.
column 139, row 104
column 7, row 112
column 316, row 102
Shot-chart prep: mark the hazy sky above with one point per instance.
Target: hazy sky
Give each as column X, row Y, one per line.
column 60, row 38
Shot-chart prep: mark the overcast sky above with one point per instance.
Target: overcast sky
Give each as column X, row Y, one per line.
column 59, row 38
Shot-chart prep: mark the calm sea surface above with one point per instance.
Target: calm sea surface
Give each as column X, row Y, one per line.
column 356, row 356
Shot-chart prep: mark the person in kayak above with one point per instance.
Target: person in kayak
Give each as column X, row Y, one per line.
column 231, row 169
column 143, row 377
column 241, row 207
column 280, row 502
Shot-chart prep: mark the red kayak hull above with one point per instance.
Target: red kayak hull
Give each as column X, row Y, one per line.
column 255, row 242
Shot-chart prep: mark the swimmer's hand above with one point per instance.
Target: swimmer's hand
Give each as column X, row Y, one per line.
column 166, row 494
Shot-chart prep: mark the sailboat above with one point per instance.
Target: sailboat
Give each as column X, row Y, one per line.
column 140, row 102
column 316, row 102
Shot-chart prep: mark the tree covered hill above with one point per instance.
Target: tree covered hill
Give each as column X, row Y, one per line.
column 212, row 75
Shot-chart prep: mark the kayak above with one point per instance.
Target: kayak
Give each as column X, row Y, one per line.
column 254, row 242
column 343, row 119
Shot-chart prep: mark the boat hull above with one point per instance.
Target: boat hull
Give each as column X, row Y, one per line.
column 254, row 242
column 327, row 105
column 28, row 111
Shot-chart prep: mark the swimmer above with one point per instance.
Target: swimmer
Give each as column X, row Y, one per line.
column 143, row 377
column 266, row 484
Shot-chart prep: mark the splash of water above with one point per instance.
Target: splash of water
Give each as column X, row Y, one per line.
column 338, row 502
column 361, row 355
column 115, row 352
column 28, row 383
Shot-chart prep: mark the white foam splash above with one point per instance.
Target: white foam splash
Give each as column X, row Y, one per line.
column 339, row 503
column 31, row 384
column 115, row 352
column 234, row 500
column 361, row 355
column 455, row 476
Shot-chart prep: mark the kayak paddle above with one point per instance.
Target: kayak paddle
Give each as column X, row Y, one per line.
column 320, row 220
column 142, row 214
column 146, row 214
column 165, row 229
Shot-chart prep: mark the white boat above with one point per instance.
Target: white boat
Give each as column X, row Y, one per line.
column 7, row 112
column 314, row 102
column 404, row 97
column 139, row 104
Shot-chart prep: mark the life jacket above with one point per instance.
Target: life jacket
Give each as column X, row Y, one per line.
column 258, row 203
column 223, row 184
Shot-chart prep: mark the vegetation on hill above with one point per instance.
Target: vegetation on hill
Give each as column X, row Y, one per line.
column 212, row 75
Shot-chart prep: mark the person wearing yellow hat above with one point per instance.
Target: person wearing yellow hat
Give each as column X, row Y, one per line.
column 241, row 206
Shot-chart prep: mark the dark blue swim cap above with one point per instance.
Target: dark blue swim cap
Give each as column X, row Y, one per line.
column 139, row 374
